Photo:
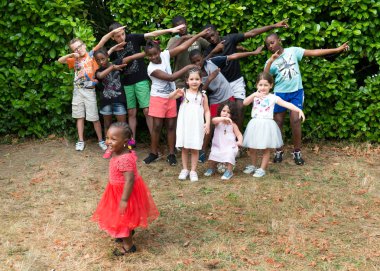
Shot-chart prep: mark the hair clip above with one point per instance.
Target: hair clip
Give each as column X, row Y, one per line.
column 131, row 143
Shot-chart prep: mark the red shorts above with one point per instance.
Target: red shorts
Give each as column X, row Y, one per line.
column 164, row 108
column 214, row 108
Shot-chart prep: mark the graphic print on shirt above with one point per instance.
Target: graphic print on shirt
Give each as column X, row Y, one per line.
column 287, row 68
column 112, row 85
column 133, row 66
column 261, row 105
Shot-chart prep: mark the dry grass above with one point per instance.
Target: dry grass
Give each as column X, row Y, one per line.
column 322, row 216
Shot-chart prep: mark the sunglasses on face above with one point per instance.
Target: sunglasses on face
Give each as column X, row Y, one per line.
column 78, row 47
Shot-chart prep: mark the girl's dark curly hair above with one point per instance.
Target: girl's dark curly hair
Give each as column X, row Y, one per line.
column 233, row 109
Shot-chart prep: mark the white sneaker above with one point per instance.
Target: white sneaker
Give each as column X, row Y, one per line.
column 259, row 173
column 79, row 146
column 193, row 176
column 102, row 145
column 249, row 169
column 183, row 174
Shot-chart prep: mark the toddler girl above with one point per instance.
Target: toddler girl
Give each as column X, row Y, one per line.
column 126, row 202
column 193, row 122
column 262, row 132
column 224, row 146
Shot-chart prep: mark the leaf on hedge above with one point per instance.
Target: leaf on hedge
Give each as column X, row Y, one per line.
column 357, row 32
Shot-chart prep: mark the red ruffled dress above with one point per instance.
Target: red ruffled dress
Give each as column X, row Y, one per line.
column 141, row 209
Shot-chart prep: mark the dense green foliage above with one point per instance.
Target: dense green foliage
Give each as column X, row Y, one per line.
column 342, row 92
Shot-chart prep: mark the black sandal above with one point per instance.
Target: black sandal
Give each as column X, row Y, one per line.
column 124, row 251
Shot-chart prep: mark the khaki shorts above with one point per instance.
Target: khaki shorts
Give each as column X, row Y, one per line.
column 84, row 104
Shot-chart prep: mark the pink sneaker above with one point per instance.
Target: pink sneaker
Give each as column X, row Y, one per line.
column 107, row 154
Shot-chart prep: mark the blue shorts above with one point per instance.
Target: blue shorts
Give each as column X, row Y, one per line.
column 115, row 109
column 296, row 98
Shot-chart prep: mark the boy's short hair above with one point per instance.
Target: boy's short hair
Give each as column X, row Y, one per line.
column 101, row 51
column 194, row 52
column 114, row 25
column 178, row 19
column 209, row 26
column 74, row 40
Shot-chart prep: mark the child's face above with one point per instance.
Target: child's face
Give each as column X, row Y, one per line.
column 226, row 113
column 273, row 44
column 115, row 140
column 119, row 37
column 194, row 80
column 78, row 47
column 102, row 60
column 263, row 86
column 213, row 37
column 153, row 54
column 197, row 60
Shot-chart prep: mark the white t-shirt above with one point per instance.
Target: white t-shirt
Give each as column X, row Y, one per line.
column 263, row 107
column 161, row 88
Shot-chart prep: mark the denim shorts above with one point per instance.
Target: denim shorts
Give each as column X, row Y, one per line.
column 296, row 98
column 113, row 109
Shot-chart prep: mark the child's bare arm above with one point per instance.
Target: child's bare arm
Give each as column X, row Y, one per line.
column 106, row 37
column 207, row 114
column 245, row 54
column 238, row 134
column 209, row 79
column 63, row 59
column 128, row 59
column 171, row 77
column 271, row 60
column 178, row 41
column 218, row 48
column 179, row 92
column 117, row 47
column 113, row 67
column 175, row 51
column 218, row 120
column 292, row 107
column 128, row 186
column 322, row 52
column 248, row 100
column 163, row 31
column 257, row 31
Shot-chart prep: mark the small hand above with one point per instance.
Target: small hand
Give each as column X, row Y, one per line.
column 259, row 50
column 76, row 55
column 178, row 28
column 275, row 55
column 219, row 47
column 180, row 92
column 213, row 75
column 239, row 143
column 116, row 30
column 118, row 47
column 207, row 128
column 205, row 31
column 283, row 23
column 122, row 207
column 301, row 115
column 259, row 95
column 344, row 47
column 119, row 67
column 227, row 120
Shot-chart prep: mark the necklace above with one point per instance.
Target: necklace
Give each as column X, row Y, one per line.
column 225, row 129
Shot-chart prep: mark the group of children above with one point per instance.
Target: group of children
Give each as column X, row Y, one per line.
column 209, row 101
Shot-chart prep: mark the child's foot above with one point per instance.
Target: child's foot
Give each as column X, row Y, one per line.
column 227, row 175
column 124, row 251
column 297, row 157
column 249, row 169
column 183, row 174
column 102, row 145
column 209, row 172
column 79, row 146
column 107, row 154
column 278, row 157
column 259, row 173
column 193, row 176
column 172, row 160
column 151, row 158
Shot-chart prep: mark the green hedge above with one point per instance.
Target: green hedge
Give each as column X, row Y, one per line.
column 342, row 92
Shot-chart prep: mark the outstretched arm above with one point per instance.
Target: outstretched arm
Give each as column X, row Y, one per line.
column 106, row 37
column 218, row 120
column 209, row 79
column 257, row 31
column 163, row 31
column 128, row 186
column 245, row 54
column 102, row 74
column 178, row 41
column 270, row 61
column 179, row 92
column 292, row 107
column 128, row 59
column 63, row 59
column 171, row 77
column 175, row 51
column 322, row 52
column 250, row 98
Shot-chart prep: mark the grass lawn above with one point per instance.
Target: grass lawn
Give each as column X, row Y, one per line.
column 324, row 215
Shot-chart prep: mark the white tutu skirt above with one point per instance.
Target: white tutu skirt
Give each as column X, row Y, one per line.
column 262, row 134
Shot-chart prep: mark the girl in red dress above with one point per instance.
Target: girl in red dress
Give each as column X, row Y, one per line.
column 126, row 202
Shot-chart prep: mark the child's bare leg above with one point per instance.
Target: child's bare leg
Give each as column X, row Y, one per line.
column 279, row 119
column 128, row 242
column 80, row 129
column 132, row 120
column 194, row 159
column 295, row 124
column 107, row 122
column 185, row 157
column 149, row 119
column 253, row 155
column 170, row 125
column 229, row 167
column 98, row 129
column 211, row 164
column 155, row 138
column 121, row 118
column 265, row 161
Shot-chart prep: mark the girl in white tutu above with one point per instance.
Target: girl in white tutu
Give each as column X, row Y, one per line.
column 262, row 132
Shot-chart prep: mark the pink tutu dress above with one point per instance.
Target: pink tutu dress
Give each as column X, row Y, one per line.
column 224, row 147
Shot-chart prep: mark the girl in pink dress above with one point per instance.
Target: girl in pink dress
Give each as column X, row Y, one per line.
column 126, row 202
column 224, row 145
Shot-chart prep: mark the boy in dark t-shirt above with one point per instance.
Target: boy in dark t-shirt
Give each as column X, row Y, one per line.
column 134, row 76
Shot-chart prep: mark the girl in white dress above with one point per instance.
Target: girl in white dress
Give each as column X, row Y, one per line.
column 262, row 132
column 193, row 122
